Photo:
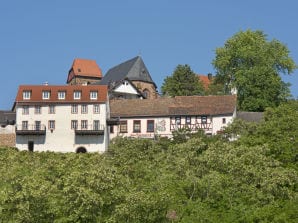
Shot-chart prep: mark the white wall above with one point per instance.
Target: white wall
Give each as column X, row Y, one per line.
column 62, row 138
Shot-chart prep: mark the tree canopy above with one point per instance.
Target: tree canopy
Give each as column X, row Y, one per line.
column 188, row 179
column 183, row 82
column 252, row 64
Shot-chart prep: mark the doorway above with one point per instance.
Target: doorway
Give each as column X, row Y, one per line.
column 31, row 146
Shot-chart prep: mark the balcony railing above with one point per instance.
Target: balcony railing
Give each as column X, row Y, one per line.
column 30, row 129
column 90, row 130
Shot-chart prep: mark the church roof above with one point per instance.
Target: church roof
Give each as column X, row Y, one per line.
column 133, row 69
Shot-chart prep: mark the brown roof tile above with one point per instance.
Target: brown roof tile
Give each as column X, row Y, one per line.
column 205, row 80
column 180, row 105
column 84, row 67
column 36, row 93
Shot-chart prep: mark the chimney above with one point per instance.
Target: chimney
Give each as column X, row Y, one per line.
column 209, row 76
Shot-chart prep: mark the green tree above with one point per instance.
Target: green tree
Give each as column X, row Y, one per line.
column 183, row 82
column 252, row 64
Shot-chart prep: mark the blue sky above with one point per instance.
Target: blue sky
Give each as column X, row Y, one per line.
column 40, row 39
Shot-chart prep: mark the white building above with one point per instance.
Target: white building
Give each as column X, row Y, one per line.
column 148, row 118
column 68, row 118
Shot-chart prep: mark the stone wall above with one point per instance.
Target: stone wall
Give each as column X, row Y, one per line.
column 143, row 86
column 8, row 140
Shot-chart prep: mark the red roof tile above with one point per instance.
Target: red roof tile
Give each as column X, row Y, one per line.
column 180, row 105
column 84, row 67
column 205, row 80
column 36, row 93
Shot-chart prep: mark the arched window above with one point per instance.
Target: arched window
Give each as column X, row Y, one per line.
column 81, row 150
column 146, row 93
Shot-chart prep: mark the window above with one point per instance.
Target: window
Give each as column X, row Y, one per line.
column 24, row 125
column 146, row 93
column 96, row 125
column 26, row 95
column 96, row 109
column 150, row 125
column 188, row 120
column 51, row 109
column 46, row 94
column 111, row 129
column 223, row 120
column 25, row 110
column 177, row 120
column 61, row 95
column 204, row 119
column 77, row 95
column 84, row 124
column 37, row 109
column 51, row 124
column 74, row 109
column 136, row 126
column 84, row 109
column 37, row 125
column 74, row 124
column 123, row 126
column 93, row 95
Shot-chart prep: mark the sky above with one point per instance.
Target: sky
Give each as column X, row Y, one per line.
column 40, row 39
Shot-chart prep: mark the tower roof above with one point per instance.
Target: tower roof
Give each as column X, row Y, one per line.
column 133, row 69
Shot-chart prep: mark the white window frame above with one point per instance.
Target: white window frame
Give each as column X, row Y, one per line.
column 61, row 95
column 46, row 95
column 52, row 109
column 84, row 109
column 25, row 110
column 77, row 95
column 74, row 109
column 37, row 109
column 93, row 95
column 52, row 124
column 96, row 109
column 74, row 124
column 26, row 95
column 84, row 124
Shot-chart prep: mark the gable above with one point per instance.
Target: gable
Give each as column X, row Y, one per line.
column 125, row 87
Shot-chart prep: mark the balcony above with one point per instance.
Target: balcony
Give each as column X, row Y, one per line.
column 90, row 130
column 30, row 129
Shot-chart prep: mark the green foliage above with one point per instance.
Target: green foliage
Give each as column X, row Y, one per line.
column 252, row 64
column 183, row 82
column 192, row 178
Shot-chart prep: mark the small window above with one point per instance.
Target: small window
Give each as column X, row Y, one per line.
column 123, row 126
column 79, row 70
column 188, row 120
column 111, row 129
column 37, row 109
column 24, row 125
column 74, row 124
column 223, row 120
column 93, row 95
column 96, row 109
column 74, row 109
column 204, row 119
column 150, row 125
column 46, row 94
column 77, row 94
column 177, row 120
column 84, row 109
column 51, row 124
column 136, row 126
column 25, row 110
column 96, row 125
column 146, row 93
column 84, row 124
column 51, row 109
column 61, row 95
column 37, row 125
column 26, row 95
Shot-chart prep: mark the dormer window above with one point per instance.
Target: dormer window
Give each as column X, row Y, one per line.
column 46, row 94
column 93, row 95
column 61, row 95
column 77, row 95
column 26, row 95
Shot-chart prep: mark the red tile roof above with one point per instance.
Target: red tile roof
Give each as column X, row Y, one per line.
column 180, row 105
column 205, row 80
column 85, row 68
column 36, row 93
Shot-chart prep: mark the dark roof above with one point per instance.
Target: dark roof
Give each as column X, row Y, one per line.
column 133, row 69
column 250, row 116
column 180, row 105
column 7, row 117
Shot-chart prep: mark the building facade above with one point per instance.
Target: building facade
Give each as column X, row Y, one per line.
column 160, row 117
column 69, row 118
